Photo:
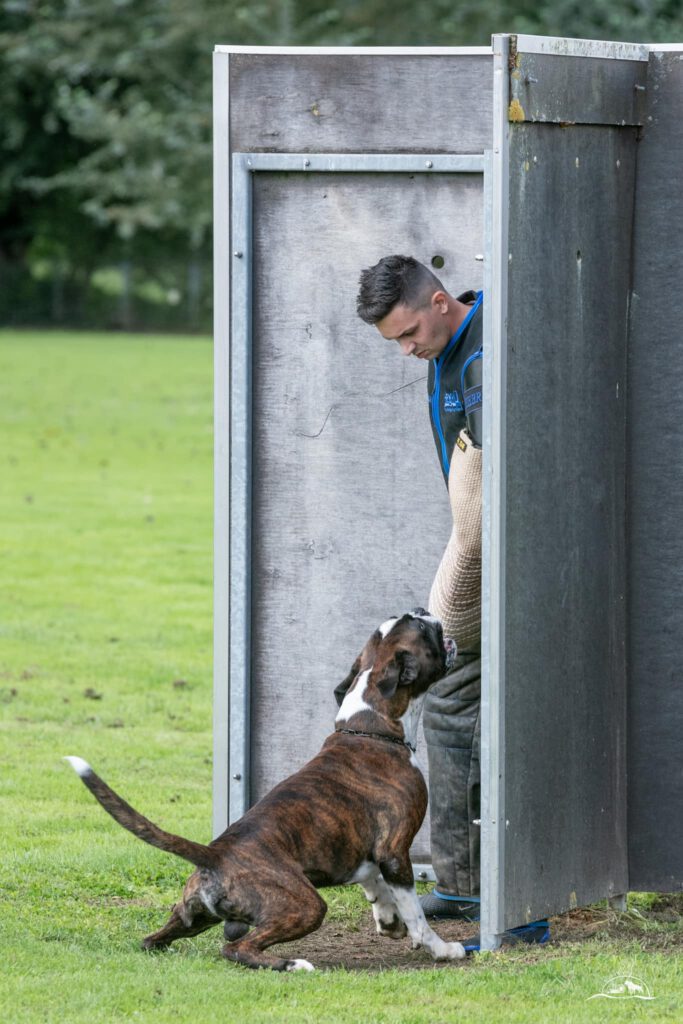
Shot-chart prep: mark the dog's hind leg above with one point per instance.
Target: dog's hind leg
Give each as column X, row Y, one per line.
column 388, row 921
column 291, row 914
column 182, row 924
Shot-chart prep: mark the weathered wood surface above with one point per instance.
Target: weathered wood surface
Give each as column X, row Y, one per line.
column 340, row 104
column 350, row 513
column 655, row 492
column 577, row 90
column 571, row 196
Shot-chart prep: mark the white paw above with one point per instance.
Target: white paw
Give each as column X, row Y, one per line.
column 303, row 965
column 450, row 951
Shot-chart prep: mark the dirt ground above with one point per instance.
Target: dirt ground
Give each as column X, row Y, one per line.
column 335, row 945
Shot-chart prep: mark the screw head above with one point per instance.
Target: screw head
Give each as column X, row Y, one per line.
column 237, row 254
column 429, row 164
column 237, row 777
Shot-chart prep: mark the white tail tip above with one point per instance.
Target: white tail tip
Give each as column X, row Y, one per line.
column 79, row 765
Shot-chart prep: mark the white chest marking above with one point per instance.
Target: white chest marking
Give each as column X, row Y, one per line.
column 365, row 872
column 354, row 702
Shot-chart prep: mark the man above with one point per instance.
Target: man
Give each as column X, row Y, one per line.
column 408, row 304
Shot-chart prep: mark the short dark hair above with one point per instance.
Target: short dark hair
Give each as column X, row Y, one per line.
column 394, row 281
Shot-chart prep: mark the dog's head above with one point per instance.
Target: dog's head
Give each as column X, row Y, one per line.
column 402, row 658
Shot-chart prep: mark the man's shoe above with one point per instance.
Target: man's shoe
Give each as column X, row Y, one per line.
column 536, row 933
column 457, row 908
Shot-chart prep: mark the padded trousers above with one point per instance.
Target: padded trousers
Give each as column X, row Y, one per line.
column 452, row 732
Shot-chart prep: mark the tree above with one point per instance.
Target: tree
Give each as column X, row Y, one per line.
column 106, row 128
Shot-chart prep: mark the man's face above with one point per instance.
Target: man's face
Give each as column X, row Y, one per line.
column 423, row 333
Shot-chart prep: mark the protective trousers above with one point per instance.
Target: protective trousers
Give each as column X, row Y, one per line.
column 452, row 732
column 452, row 706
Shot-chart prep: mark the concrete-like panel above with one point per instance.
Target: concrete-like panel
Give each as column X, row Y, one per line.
column 350, row 513
column 655, row 478
column 330, row 103
column 571, row 198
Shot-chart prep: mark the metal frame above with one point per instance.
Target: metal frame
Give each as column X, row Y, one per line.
column 233, row 467
column 246, row 164
column 221, row 556
column 493, row 505
column 562, row 47
column 360, row 51
column 555, row 45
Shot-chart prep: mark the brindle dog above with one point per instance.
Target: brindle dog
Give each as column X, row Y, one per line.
column 349, row 815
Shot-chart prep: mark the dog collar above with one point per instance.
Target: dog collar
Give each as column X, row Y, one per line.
column 379, row 736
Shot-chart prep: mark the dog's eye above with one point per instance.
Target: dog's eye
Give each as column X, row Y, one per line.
column 422, row 625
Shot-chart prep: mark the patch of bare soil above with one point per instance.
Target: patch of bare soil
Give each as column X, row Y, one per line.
column 335, row 945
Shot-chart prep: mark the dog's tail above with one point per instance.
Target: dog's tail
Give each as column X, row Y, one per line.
column 197, row 854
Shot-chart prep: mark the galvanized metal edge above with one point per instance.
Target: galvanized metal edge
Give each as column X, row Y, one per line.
column 360, row 51
column 493, row 551
column 240, row 255
column 486, row 862
column 525, row 44
column 560, row 47
column 352, row 163
column 221, row 518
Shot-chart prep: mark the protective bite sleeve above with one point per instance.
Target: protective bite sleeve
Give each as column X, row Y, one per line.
column 455, row 596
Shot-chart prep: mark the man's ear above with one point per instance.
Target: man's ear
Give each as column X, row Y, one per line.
column 440, row 302
column 402, row 670
column 340, row 691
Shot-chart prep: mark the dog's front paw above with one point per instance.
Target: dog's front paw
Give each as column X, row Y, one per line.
column 450, row 951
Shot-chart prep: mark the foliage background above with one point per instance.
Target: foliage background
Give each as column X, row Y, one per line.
column 105, row 139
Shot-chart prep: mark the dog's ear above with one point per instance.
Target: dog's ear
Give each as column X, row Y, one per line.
column 340, row 691
column 402, row 670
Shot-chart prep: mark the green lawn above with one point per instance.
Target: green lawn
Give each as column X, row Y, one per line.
column 105, row 652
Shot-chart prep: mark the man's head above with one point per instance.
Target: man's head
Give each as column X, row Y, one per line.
column 407, row 303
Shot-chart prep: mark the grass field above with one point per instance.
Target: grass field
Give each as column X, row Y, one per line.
column 105, row 652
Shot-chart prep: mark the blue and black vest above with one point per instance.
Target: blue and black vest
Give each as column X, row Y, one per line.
column 449, row 399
